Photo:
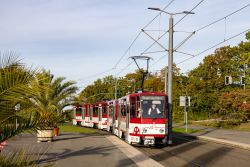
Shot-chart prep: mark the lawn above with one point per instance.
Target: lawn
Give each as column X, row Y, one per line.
column 79, row 129
column 243, row 127
column 183, row 130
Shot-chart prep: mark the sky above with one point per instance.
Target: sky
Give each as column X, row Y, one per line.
column 83, row 40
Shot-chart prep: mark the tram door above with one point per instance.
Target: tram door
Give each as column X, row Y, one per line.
column 127, row 116
column 115, row 108
column 90, row 114
column 119, row 118
column 99, row 117
column 127, row 119
column 83, row 115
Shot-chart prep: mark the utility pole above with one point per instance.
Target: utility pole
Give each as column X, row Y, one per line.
column 168, row 129
column 170, row 80
column 245, row 68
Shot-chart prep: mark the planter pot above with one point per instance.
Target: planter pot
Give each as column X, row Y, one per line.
column 45, row 135
column 56, row 131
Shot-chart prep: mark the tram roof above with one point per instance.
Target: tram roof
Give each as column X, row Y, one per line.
column 147, row 93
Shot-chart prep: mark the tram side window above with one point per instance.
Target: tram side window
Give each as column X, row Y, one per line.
column 104, row 110
column 78, row 110
column 83, row 113
column 95, row 111
column 132, row 108
column 111, row 109
column 91, row 112
column 123, row 110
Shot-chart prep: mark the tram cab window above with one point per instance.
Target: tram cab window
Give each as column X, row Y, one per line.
column 153, row 106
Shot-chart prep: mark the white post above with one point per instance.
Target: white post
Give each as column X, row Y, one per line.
column 17, row 108
column 186, row 121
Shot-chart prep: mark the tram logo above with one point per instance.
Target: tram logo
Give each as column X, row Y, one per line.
column 136, row 130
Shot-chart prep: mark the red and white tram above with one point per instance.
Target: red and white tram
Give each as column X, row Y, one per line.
column 112, row 112
column 86, row 116
column 98, row 115
column 142, row 118
column 77, row 115
column 139, row 118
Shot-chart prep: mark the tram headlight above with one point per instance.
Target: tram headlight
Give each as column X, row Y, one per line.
column 161, row 130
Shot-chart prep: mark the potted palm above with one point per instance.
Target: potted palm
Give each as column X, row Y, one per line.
column 59, row 119
column 45, row 131
column 15, row 81
column 52, row 95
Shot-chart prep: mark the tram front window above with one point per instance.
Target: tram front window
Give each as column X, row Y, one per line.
column 153, row 106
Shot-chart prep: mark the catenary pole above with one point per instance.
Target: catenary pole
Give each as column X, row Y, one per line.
column 169, row 74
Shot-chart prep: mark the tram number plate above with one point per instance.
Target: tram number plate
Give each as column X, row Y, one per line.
column 149, row 141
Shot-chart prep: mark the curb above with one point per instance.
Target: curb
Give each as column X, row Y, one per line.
column 140, row 159
column 226, row 142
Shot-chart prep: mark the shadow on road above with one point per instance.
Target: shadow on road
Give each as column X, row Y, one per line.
column 52, row 157
column 189, row 151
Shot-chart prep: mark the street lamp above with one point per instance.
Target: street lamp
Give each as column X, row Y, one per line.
column 169, row 70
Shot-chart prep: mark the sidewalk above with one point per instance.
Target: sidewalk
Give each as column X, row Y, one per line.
column 74, row 149
column 230, row 137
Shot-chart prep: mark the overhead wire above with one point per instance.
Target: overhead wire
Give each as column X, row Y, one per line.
column 212, row 23
column 198, row 4
column 213, row 46
column 123, row 69
column 145, row 51
column 216, row 21
column 168, row 31
column 125, row 53
column 203, row 27
column 96, row 74
column 128, row 50
column 155, row 41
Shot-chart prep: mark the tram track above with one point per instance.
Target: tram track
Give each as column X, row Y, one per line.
column 189, row 151
column 153, row 153
column 226, row 148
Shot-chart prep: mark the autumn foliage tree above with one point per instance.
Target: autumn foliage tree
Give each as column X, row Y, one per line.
column 205, row 84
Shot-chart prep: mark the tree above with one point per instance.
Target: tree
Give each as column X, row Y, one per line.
column 50, row 96
column 15, row 79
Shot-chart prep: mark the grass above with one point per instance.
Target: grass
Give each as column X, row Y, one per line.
column 71, row 128
column 243, row 127
column 183, row 130
column 205, row 123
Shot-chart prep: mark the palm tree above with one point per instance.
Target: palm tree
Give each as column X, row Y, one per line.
column 15, row 79
column 51, row 96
